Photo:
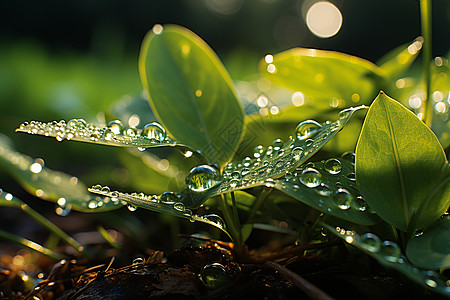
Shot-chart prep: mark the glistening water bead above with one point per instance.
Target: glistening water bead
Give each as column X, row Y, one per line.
column 116, row 126
column 370, row 242
column 201, row 178
column 310, row 177
column 307, row 129
column 343, row 199
column 154, row 131
column 214, row 275
column 333, row 166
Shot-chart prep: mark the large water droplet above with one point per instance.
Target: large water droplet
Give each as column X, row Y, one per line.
column 116, row 126
column 154, row 131
column 201, row 178
column 343, row 199
column 391, row 251
column 168, row 198
column 214, row 275
column 296, row 153
column 333, row 166
column 370, row 242
column 307, row 129
column 311, row 177
column 217, row 220
column 431, row 278
column 131, row 131
column 323, row 190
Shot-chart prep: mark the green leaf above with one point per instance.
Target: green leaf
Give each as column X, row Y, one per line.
column 273, row 162
column 396, row 62
column 401, row 168
column 431, row 249
column 113, row 135
column 324, row 74
column 329, row 186
column 65, row 190
column 166, row 203
column 190, row 92
column 389, row 255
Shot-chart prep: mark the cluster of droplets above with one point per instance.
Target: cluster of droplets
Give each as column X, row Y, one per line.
column 271, row 162
column 325, row 179
column 166, row 202
column 113, row 134
column 392, row 253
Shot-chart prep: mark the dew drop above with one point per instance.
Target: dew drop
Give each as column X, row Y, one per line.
column 310, row 177
column 92, row 204
column 431, row 278
column 296, row 153
column 116, row 126
column 214, row 275
column 106, row 190
column 343, row 199
column 179, row 206
column 359, row 204
column 201, row 178
column 168, row 198
column 138, row 260
column 258, row 151
column 131, row 207
column 351, row 177
column 270, row 183
column 246, row 162
column 333, row 166
column 234, row 182
column 154, row 131
column 349, row 156
column 245, row 171
column 131, row 131
column 391, row 251
column 370, row 242
column 217, row 220
column 277, row 144
column 307, row 129
column 323, row 190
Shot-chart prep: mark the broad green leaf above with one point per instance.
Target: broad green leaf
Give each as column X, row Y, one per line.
column 388, row 254
column 65, row 190
column 166, row 203
column 431, row 249
column 396, row 62
column 324, row 74
column 401, row 168
column 190, row 92
column 115, row 134
column 329, row 186
column 273, row 162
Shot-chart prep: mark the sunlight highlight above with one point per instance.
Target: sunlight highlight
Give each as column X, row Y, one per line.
column 324, row 19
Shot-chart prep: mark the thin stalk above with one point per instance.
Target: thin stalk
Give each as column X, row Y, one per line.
column 53, row 228
column 229, row 220
column 30, row 245
column 425, row 15
column 262, row 196
column 237, row 222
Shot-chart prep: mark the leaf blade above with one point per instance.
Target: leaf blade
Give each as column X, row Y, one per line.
column 191, row 93
column 399, row 161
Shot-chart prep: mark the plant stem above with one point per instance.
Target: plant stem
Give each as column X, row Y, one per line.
column 30, row 245
column 262, row 196
column 425, row 14
column 234, row 228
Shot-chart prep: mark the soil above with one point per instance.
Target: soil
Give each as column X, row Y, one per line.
column 181, row 274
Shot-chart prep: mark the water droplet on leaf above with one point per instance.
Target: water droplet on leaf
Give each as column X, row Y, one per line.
column 168, row 198
column 201, row 178
column 154, row 131
column 370, row 242
column 333, row 166
column 343, row 199
column 310, row 177
column 138, row 260
column 391, row 251
column 116, row 126
column 307, row 129
column 217, row 220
